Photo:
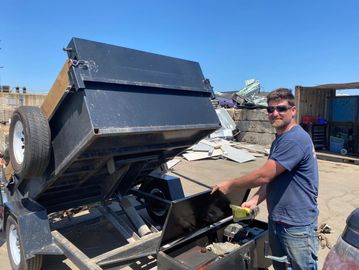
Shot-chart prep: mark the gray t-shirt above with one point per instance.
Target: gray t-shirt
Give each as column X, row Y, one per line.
column 292, row 196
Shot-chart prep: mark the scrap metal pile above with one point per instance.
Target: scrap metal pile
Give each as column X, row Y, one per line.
column 250, row 96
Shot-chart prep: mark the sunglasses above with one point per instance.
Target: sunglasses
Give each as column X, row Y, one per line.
column 280, row 108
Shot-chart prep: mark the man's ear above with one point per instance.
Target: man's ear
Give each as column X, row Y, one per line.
column 294, row 111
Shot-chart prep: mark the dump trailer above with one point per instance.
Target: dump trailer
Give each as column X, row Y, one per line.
column 96, row 150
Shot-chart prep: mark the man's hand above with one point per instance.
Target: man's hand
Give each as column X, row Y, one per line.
column 257, row 198
column 224, row 187
column 249, row 204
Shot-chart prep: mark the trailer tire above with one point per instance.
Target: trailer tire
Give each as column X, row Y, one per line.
column 29, row 142
column 16, row 256
column 157, row 211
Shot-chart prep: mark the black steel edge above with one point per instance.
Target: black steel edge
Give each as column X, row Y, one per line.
column 133, row 130
column 74, row 41
column 146, row 84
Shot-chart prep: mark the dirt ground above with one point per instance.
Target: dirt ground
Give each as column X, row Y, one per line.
column 338, row 197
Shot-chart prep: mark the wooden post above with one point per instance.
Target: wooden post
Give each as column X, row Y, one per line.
column 57, row 92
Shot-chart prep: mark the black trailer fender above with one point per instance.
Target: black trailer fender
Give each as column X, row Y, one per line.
column 34, row 227
column 165, row 187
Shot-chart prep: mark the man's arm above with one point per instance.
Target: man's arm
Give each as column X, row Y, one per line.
column 257, row 198
column 262, row 176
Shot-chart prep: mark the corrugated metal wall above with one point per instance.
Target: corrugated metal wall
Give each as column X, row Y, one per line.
column 312, row 101
column 344, row 109
column 341, row 112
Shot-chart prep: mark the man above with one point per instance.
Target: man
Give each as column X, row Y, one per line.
column 289, row 182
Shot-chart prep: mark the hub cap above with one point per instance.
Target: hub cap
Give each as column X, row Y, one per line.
column 19, row 142
column 14, row 245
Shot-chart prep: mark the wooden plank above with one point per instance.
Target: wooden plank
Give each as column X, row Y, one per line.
column 57, row 92
column 352, row 85
column 337, row 158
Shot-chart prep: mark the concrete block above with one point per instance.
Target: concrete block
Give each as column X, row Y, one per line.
column 256, row 138
column 4, row 131
column 5, row 115
column 249, row 115
column 239, row 115
column 231, row 112
column 256, row 115
column 255, row 126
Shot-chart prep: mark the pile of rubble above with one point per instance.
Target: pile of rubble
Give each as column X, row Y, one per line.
column 220, row 145
column 219, row 148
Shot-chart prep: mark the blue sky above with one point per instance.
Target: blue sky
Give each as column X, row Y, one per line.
column 280, row 43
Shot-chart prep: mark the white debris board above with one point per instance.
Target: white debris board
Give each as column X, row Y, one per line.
column 215, row 143
column 202, row 147
column 171, row 163
column 236, row 154
column 201, row 155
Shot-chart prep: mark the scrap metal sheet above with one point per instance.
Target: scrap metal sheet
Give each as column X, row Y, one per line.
column 236, row 154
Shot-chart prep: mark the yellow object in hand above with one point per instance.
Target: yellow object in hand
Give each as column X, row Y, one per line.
column 239, row 212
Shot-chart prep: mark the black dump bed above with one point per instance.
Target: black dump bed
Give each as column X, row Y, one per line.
column 127, row 113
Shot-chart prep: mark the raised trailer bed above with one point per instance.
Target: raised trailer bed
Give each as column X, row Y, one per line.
column 96, row 151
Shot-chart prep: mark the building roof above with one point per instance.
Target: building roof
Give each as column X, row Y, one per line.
column 335, row 86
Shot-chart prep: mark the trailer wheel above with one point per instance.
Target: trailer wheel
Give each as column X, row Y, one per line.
column 156, row 210
column 17, row 259
column 29, row 142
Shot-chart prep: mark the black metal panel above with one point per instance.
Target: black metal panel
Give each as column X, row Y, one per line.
column 34, row 227
column 198, row 211
column 143, row 109
column 100, row 62
column 244, row 258
column 131, row 109
column 171, row 184
column 93, row 124
column 187, row 254
column 193, row 213
column 70, row 129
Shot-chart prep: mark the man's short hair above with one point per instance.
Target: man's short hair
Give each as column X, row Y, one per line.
column 281, row 94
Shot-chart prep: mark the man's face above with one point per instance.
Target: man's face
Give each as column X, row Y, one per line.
column 282, row 116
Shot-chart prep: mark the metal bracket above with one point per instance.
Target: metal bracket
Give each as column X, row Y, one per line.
column 283, row 259
column 80, row 64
